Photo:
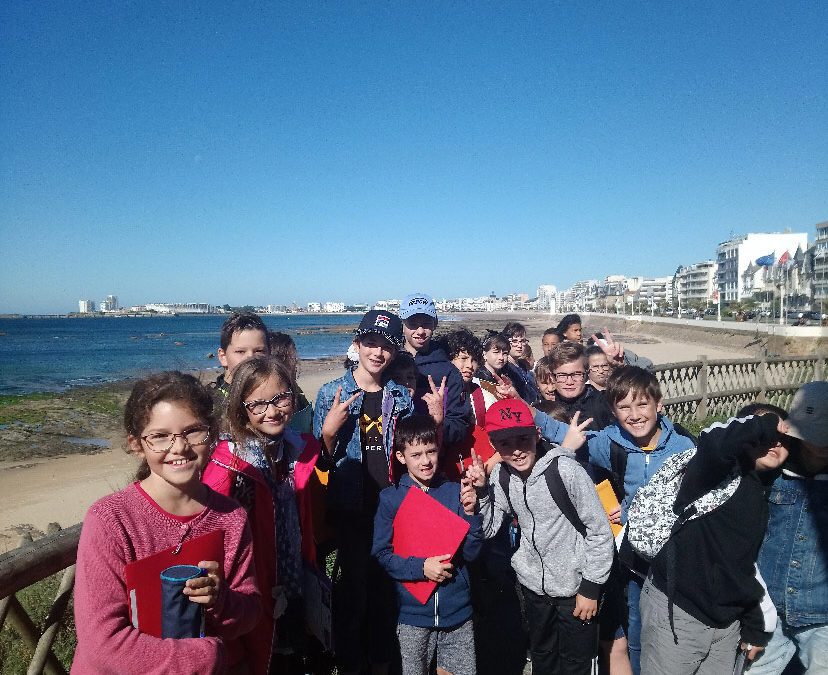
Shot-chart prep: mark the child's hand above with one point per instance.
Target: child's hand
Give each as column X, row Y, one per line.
column 438, row 568
column 752, row 650
column 614, row 350
column 336, row 418
column 492, row 462
column 205, row 590
column 468, row 496
column 575, row 436
column 504, row 387
column 476, row 473
column 434, row 400
column 585, row 609
column 615, row 515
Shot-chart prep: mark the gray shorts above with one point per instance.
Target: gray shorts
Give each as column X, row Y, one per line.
column 454, row 649
column 701, row 650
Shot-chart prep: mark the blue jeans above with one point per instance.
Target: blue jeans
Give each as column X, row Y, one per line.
column 810, row 642
column 634, row 618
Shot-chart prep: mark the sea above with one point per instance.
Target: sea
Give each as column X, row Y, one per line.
column 54, row 354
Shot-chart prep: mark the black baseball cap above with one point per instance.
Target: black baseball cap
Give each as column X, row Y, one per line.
column 382, row 323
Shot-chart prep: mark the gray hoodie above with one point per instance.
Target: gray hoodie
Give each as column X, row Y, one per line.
column 553, row 558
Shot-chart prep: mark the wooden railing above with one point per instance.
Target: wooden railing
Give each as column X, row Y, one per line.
column 692, row 390
column 696, row 390
column 30, row 563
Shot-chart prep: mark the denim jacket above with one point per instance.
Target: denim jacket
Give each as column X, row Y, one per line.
column 345, row 485
column 794, row 555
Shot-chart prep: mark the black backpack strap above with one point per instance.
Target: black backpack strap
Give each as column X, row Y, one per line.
column 503, row 478
column 683, row 431
column 618, row 468
column 561, row 496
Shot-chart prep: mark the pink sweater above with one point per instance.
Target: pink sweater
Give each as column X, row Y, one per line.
column 124, row 527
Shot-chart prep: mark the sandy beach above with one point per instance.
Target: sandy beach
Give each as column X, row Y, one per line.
column 48, row 485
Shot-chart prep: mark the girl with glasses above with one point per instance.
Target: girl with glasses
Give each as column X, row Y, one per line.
column 267, row 466
column 170, row 426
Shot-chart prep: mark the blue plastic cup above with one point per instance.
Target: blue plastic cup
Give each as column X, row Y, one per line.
column 180, row 616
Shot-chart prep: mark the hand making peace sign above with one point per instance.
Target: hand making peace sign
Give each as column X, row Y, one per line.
column 435, row 400
column 614, row 350
column 505, row 388
column 336, row 418
column 575, row 436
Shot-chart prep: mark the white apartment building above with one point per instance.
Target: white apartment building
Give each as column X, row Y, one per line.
column 110, row 304
column 734, row 256
column 654, row 291
column 313, row 307
column 86, row 306
column 333, row 307
column 179, row 307
column 548, row 298
column 696, row 284
column 816, row 265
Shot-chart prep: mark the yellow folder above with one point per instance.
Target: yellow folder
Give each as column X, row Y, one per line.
column 608, row 500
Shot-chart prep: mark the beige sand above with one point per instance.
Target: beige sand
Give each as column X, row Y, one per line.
column 61, row 489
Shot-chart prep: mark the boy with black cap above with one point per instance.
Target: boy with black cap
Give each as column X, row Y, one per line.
column 566, row 548
column 354, row 418
column 419, row 317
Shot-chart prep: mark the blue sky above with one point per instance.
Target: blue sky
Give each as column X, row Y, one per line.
column 293, row 151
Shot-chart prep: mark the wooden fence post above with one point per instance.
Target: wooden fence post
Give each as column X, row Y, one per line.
column 762, row 379
column 701, row 389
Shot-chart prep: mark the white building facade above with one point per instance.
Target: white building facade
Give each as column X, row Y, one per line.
column 735, row 255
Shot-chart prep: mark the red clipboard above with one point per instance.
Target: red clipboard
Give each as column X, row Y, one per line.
column 423, row 527
column 143, row 577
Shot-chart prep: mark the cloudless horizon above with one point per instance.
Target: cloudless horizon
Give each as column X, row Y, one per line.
column 255, row 153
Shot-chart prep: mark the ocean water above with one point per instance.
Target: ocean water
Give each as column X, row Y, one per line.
column 47, row 355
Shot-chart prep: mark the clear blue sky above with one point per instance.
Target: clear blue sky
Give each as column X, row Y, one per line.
column 293, row 151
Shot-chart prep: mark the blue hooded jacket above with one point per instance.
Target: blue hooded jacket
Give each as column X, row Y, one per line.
column 450, row 604
column 640, row 465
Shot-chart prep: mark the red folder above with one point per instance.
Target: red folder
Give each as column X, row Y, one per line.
column 423, row 528
column 143, row 577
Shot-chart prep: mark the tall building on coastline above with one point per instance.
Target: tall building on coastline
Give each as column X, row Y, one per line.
column 86, row 306
column 735, row 255
column 695, row 285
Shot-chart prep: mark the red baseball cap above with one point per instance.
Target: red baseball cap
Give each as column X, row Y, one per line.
column 509, row 417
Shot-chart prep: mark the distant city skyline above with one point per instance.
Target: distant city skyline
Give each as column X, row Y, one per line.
column 292, row 152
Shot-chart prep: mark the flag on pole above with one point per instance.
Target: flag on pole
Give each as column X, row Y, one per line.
column 784, row 259
column 766, row 260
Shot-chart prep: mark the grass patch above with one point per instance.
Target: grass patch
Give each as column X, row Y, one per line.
column 695, row 426
column 24, row 408
column 103, row 402
column 37, row 600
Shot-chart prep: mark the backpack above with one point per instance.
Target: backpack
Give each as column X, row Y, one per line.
column 651, row 520
column 556, row 488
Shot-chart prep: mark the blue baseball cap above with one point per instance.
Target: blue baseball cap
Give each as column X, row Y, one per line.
column 417, row 303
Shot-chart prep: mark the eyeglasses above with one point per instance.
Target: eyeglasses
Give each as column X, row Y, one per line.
column 163, row 442
column 282, row 400
column 568, row 377
column 603, row 366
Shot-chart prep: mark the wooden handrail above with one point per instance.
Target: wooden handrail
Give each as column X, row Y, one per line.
column 23, row 567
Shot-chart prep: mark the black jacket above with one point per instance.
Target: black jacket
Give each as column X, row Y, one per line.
column 713, row 575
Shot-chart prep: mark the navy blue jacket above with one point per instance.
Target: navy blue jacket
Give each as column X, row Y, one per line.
column 450, row 604
column 436, row 363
